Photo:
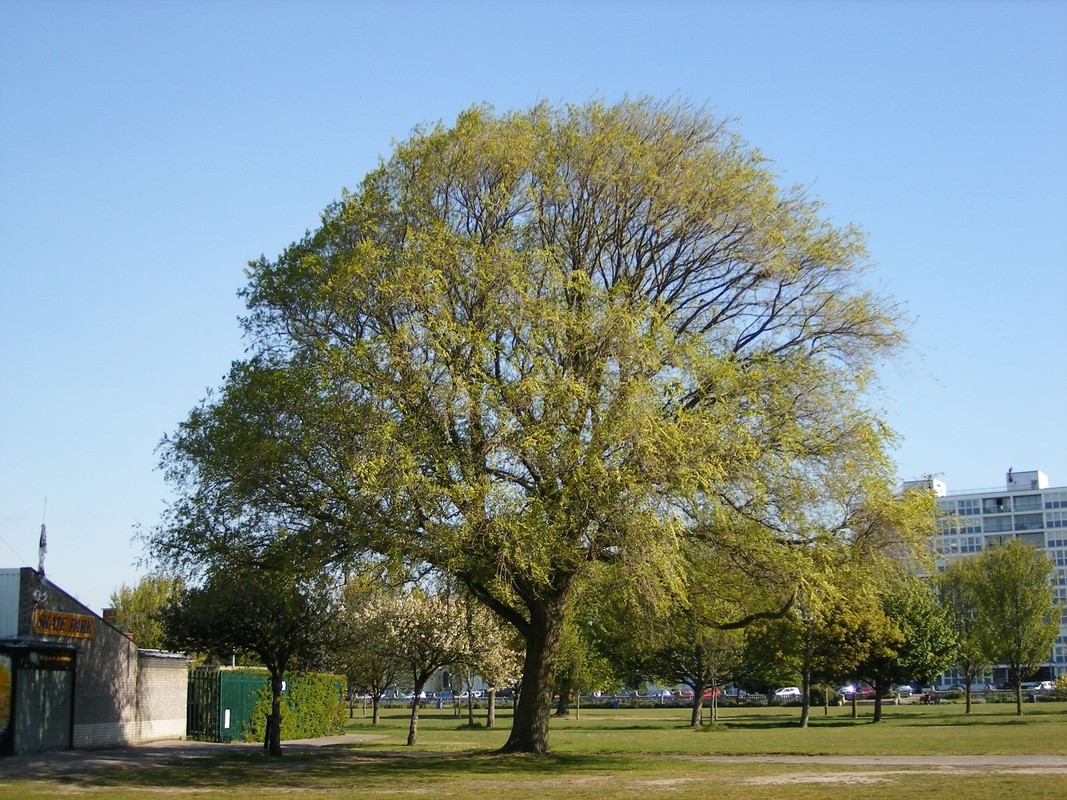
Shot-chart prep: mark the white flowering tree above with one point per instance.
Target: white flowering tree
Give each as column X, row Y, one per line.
column 494, row 653
column 370, row 662
column 427, row 631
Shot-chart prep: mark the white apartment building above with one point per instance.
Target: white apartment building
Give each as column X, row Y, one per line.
column 1025, row 508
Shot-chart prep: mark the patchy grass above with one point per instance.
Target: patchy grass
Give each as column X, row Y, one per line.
column 905, row 730
column 644, row 753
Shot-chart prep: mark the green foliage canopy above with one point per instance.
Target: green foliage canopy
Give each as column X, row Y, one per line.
column 536, row 341
column 138, row 609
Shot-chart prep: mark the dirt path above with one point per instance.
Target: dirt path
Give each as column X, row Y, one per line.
column 74, row 762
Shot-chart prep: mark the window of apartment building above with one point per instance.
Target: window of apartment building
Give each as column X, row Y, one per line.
column 970, row 507
column 946, row 524
column 948, row 546
column 970, row 525
column 1056, row 500
column 1032, row 539
column 996, row 505
column 996, row 524
column 1056, row 519
column 1030, row 522
column 970, row 544
column 1027, row 502
column 999, row 539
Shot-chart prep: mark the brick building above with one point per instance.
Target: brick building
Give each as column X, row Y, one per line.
column 68, row 679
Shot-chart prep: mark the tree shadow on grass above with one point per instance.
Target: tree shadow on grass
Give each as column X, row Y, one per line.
column 337, row 768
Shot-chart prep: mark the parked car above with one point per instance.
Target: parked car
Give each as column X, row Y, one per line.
column 847, row 690
column 788, row 693
column 904, row 689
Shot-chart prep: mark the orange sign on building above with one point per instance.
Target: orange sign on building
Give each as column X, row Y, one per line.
column 55, row 623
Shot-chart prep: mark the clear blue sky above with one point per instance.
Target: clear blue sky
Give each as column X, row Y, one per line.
column 149, row 150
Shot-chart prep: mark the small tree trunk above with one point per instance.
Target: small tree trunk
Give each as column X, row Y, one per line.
column 275, row 726
column 698, row 705
column 967, row 696
column 490, row 713
column 375, row 706
column 877, row 702
column 413, row 726
column 563, row 704
column 805, row 702
column 470, row 701
column 854, row 703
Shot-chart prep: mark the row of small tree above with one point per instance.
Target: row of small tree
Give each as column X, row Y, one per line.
column 1003, row 611
column 882, row 626
column 376, row 634
column 995, row 608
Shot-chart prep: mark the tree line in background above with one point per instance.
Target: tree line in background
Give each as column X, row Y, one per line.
column 995, row 608
column 589, row 367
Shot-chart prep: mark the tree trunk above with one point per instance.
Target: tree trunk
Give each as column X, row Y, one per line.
column 274, row 726
column 470, row 702
column 805, row 702
column 413, row 726
column 698, row 705
column 713, row 706
column 967, row 697
column 877, row 702
column 375, row 706
column 533, row 706
column 563, row 705
column 490, row 713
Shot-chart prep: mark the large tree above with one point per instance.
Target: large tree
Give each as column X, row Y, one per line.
column 528, row 343
column 1018, row 616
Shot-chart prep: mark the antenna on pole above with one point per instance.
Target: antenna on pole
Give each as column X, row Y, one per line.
column 42, row 545
column 41, row 592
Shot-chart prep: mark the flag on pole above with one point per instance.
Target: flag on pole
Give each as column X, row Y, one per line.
column 42, row 548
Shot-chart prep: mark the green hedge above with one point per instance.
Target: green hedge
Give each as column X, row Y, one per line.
column 312, row 706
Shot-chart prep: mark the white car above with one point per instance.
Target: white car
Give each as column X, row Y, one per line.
column 788, row 693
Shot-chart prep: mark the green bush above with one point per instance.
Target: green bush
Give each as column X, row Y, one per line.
column 312, row 706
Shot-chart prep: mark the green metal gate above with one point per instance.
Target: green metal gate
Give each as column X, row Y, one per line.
column 221, row 702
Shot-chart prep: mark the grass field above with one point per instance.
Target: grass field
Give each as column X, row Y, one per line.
column 629, row 753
